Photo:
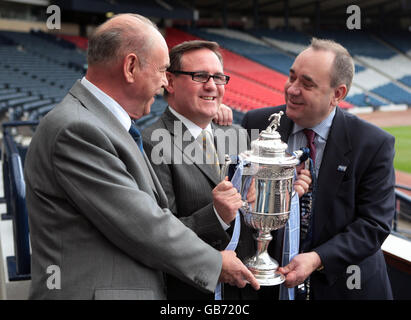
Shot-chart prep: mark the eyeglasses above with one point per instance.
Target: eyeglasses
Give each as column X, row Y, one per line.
column 204, row 77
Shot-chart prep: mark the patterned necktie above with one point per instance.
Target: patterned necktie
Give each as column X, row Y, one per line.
column 136, row 134
column 306, row 211
column 209, row 152
column 306, row 202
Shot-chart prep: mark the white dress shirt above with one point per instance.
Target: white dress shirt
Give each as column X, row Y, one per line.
column 109, row 103
column 298, row 139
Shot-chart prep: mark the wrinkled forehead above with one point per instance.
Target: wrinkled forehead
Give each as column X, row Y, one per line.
column 316, row 64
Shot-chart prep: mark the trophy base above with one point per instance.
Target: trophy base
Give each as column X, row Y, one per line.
column 273, row 281
column 264, row 268
column 267, row 278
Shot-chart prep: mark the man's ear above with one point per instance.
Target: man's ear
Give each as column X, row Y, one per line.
column 339, row 94
column 131, row 66
column 170, row 79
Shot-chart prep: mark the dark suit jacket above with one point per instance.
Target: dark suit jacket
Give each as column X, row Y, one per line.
column 189, row 191
column 95, row 211
column 353, row 210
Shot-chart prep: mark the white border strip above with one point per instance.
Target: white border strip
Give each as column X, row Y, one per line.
column 398, row 247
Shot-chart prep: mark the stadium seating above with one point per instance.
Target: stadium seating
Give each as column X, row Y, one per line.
column 376, row 64
column 400, row 40
column 80, row 42
column 391, row 68
column 37, row 70
column 260, row 53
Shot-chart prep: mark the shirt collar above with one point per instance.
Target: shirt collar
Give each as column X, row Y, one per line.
column 322, row 129
column 109, row 103
column 194, row 129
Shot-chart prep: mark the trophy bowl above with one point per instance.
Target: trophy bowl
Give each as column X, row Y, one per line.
column 266, row 222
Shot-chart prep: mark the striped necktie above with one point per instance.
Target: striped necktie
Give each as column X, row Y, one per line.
column 310, row 135
column 209, row 152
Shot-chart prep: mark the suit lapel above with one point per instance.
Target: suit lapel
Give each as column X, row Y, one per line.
column 184, row 142
column 91, row 103
column 336, row 152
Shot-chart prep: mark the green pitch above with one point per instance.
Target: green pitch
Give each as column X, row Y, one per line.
column 402, row 160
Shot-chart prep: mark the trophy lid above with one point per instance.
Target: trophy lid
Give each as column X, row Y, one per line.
column 268, row 148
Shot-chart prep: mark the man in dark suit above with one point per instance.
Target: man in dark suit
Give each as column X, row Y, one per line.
column 196, row 193
column 97, row 212
column 353, row 202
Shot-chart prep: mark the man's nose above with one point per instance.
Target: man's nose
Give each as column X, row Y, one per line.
column 294, row 89
column 164, row 81
column 210, row 84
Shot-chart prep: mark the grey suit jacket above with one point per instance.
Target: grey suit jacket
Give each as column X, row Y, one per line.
column 188, row 184
column 95, row 212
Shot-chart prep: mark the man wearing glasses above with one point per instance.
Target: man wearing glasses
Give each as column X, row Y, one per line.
column 196, row 193
column 194, row 187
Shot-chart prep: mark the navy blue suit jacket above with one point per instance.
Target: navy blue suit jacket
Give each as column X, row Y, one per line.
column 353, row 209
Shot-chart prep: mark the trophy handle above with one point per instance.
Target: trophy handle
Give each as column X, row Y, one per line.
column 225, row 167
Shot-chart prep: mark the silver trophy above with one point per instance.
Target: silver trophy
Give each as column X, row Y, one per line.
column 273, row 171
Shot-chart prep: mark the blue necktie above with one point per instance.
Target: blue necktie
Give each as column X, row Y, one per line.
column 236, row 181
column 136, row 134
column 291, row 242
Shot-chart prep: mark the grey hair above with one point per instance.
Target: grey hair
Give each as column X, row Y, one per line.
column 343, row 66
column 112, row 41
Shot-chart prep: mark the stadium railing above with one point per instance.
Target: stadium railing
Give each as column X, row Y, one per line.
column 397, row 248
column 13, row 155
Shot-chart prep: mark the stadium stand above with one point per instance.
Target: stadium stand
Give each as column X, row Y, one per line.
column 399, row 40
column 372, row 74
column 37, row 70
column 260, row 53
column 386, row 67
column 40, row 68
column 80, row 42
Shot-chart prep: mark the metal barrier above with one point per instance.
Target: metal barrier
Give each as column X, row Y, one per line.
column 402, row 201
column 15, row 194
column 397, row 248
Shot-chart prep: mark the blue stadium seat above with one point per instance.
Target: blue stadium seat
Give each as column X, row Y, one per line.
column 38, row 75
column 393, row 93
column 265, row 55
column 363, row 100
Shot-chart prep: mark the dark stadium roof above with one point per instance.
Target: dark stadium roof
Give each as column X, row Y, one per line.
column 303, row 8
column 383, row 14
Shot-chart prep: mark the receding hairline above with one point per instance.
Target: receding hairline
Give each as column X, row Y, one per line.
column 127, row 20
column 132, row 29
column 342, row 61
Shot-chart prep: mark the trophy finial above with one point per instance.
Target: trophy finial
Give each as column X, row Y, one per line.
column 274, row 123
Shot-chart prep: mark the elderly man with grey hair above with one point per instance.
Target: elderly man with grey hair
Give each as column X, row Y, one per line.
column 96, row 208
